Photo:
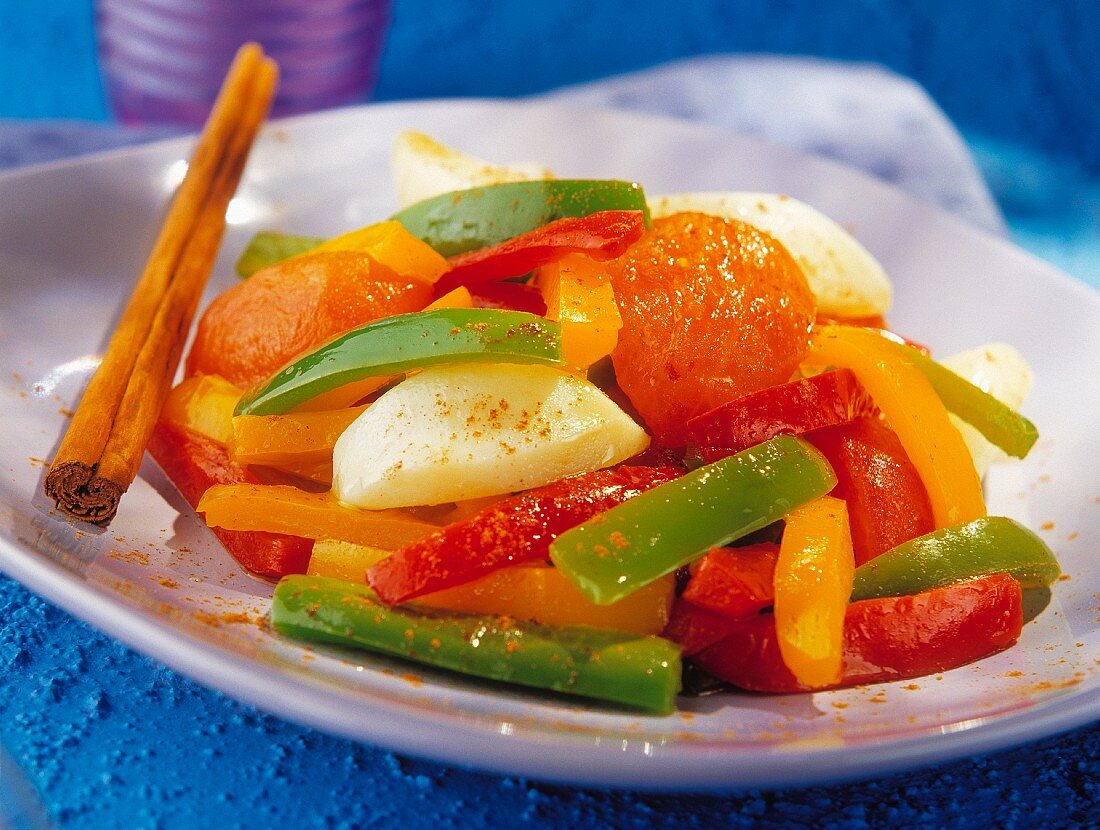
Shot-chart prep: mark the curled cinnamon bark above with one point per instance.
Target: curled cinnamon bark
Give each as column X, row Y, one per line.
column 102, row 449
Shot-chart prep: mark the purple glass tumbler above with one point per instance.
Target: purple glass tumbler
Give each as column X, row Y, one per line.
column 163, row 61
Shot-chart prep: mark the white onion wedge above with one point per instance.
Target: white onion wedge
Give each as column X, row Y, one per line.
column 422, row 168
column 463, row 431
column 1000, row 370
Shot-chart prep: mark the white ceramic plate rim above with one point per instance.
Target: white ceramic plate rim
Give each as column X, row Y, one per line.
column 532, row 749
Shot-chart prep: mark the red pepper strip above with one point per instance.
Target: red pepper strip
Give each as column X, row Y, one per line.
column 884, row 639
column 694, row 628
column 511, row 296
column 195, row 463
column 790, row 409
column 513, row 531
column 603, row 235
column 887, row 502
column 735, row 582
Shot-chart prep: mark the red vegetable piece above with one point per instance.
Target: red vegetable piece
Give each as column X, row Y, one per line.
column 887, row 501
column 694, row 628
column 735, row 582
column 793, row 408
column 195, row 463
column 884, row 639
column 513, row 296
column 603, row 235
column 513, row 531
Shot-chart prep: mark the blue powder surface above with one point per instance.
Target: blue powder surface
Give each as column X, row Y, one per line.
column 112, row 739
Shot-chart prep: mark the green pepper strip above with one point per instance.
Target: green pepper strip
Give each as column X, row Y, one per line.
column 654, row 533
column 408, row 341
column 466, row 220
column 1000, row 425
column 268, row 247
column 615, row 666
column 984, row 546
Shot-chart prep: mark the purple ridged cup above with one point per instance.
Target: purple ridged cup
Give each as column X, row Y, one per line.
column 163, row 61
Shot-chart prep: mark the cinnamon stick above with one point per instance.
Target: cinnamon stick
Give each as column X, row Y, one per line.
column 101, row 452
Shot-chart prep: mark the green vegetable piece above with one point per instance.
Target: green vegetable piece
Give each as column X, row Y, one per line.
column 466, row 220
column 638, row 541
column 408, row 341
column 983, row 546
column 268, row 247
column 629, row 669
column 998, row 422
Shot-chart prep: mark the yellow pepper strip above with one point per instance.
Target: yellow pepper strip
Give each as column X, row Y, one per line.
column 280, row 508
column 299, row 442
column 390, row 244
column 203, row 403
column 344, row 560
column 578, row 294
column 348, row 394
column 542, row 594
column 914, row 411
column 535, row 593
column 813, row 581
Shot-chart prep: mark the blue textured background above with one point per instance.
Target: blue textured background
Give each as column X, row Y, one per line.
column 112, row 739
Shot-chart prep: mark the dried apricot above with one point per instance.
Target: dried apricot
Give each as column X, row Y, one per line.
column 254, row 328
column 712, row 310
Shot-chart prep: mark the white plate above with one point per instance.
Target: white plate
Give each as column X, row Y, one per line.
column 72, row 235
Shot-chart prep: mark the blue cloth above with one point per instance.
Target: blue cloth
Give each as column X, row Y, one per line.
column 109, row 738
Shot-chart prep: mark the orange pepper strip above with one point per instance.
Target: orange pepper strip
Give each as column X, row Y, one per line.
column 297, row 442
column 536, row 593
column 350, row 393
column 813, row 581
column 914, row 411
column 389, row 243
column 204, row 404
column 578, row 294
column 280, row 508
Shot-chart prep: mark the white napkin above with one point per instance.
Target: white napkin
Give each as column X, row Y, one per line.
column 859, row 114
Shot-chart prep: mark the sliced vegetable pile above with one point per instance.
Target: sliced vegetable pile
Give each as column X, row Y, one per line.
column 523, row 431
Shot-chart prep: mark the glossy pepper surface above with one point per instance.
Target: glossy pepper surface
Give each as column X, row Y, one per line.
column 578, row 294
column 195, row 463
column 615, row 666
column 734, row 582
column 248, row 506
column 813, row 581
column 408, row 341
column 654, row 534
column 993, row 544
column 601, row 236
column 914, row 411
column 789, row 409
column 513, row 531
column 466, row 220
column 268, row 247
column 299, row 443
column 997, row 422
column 887, row 502
column 884, row 639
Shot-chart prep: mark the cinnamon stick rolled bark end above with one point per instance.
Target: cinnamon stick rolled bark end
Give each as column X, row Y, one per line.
column 78, row 491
